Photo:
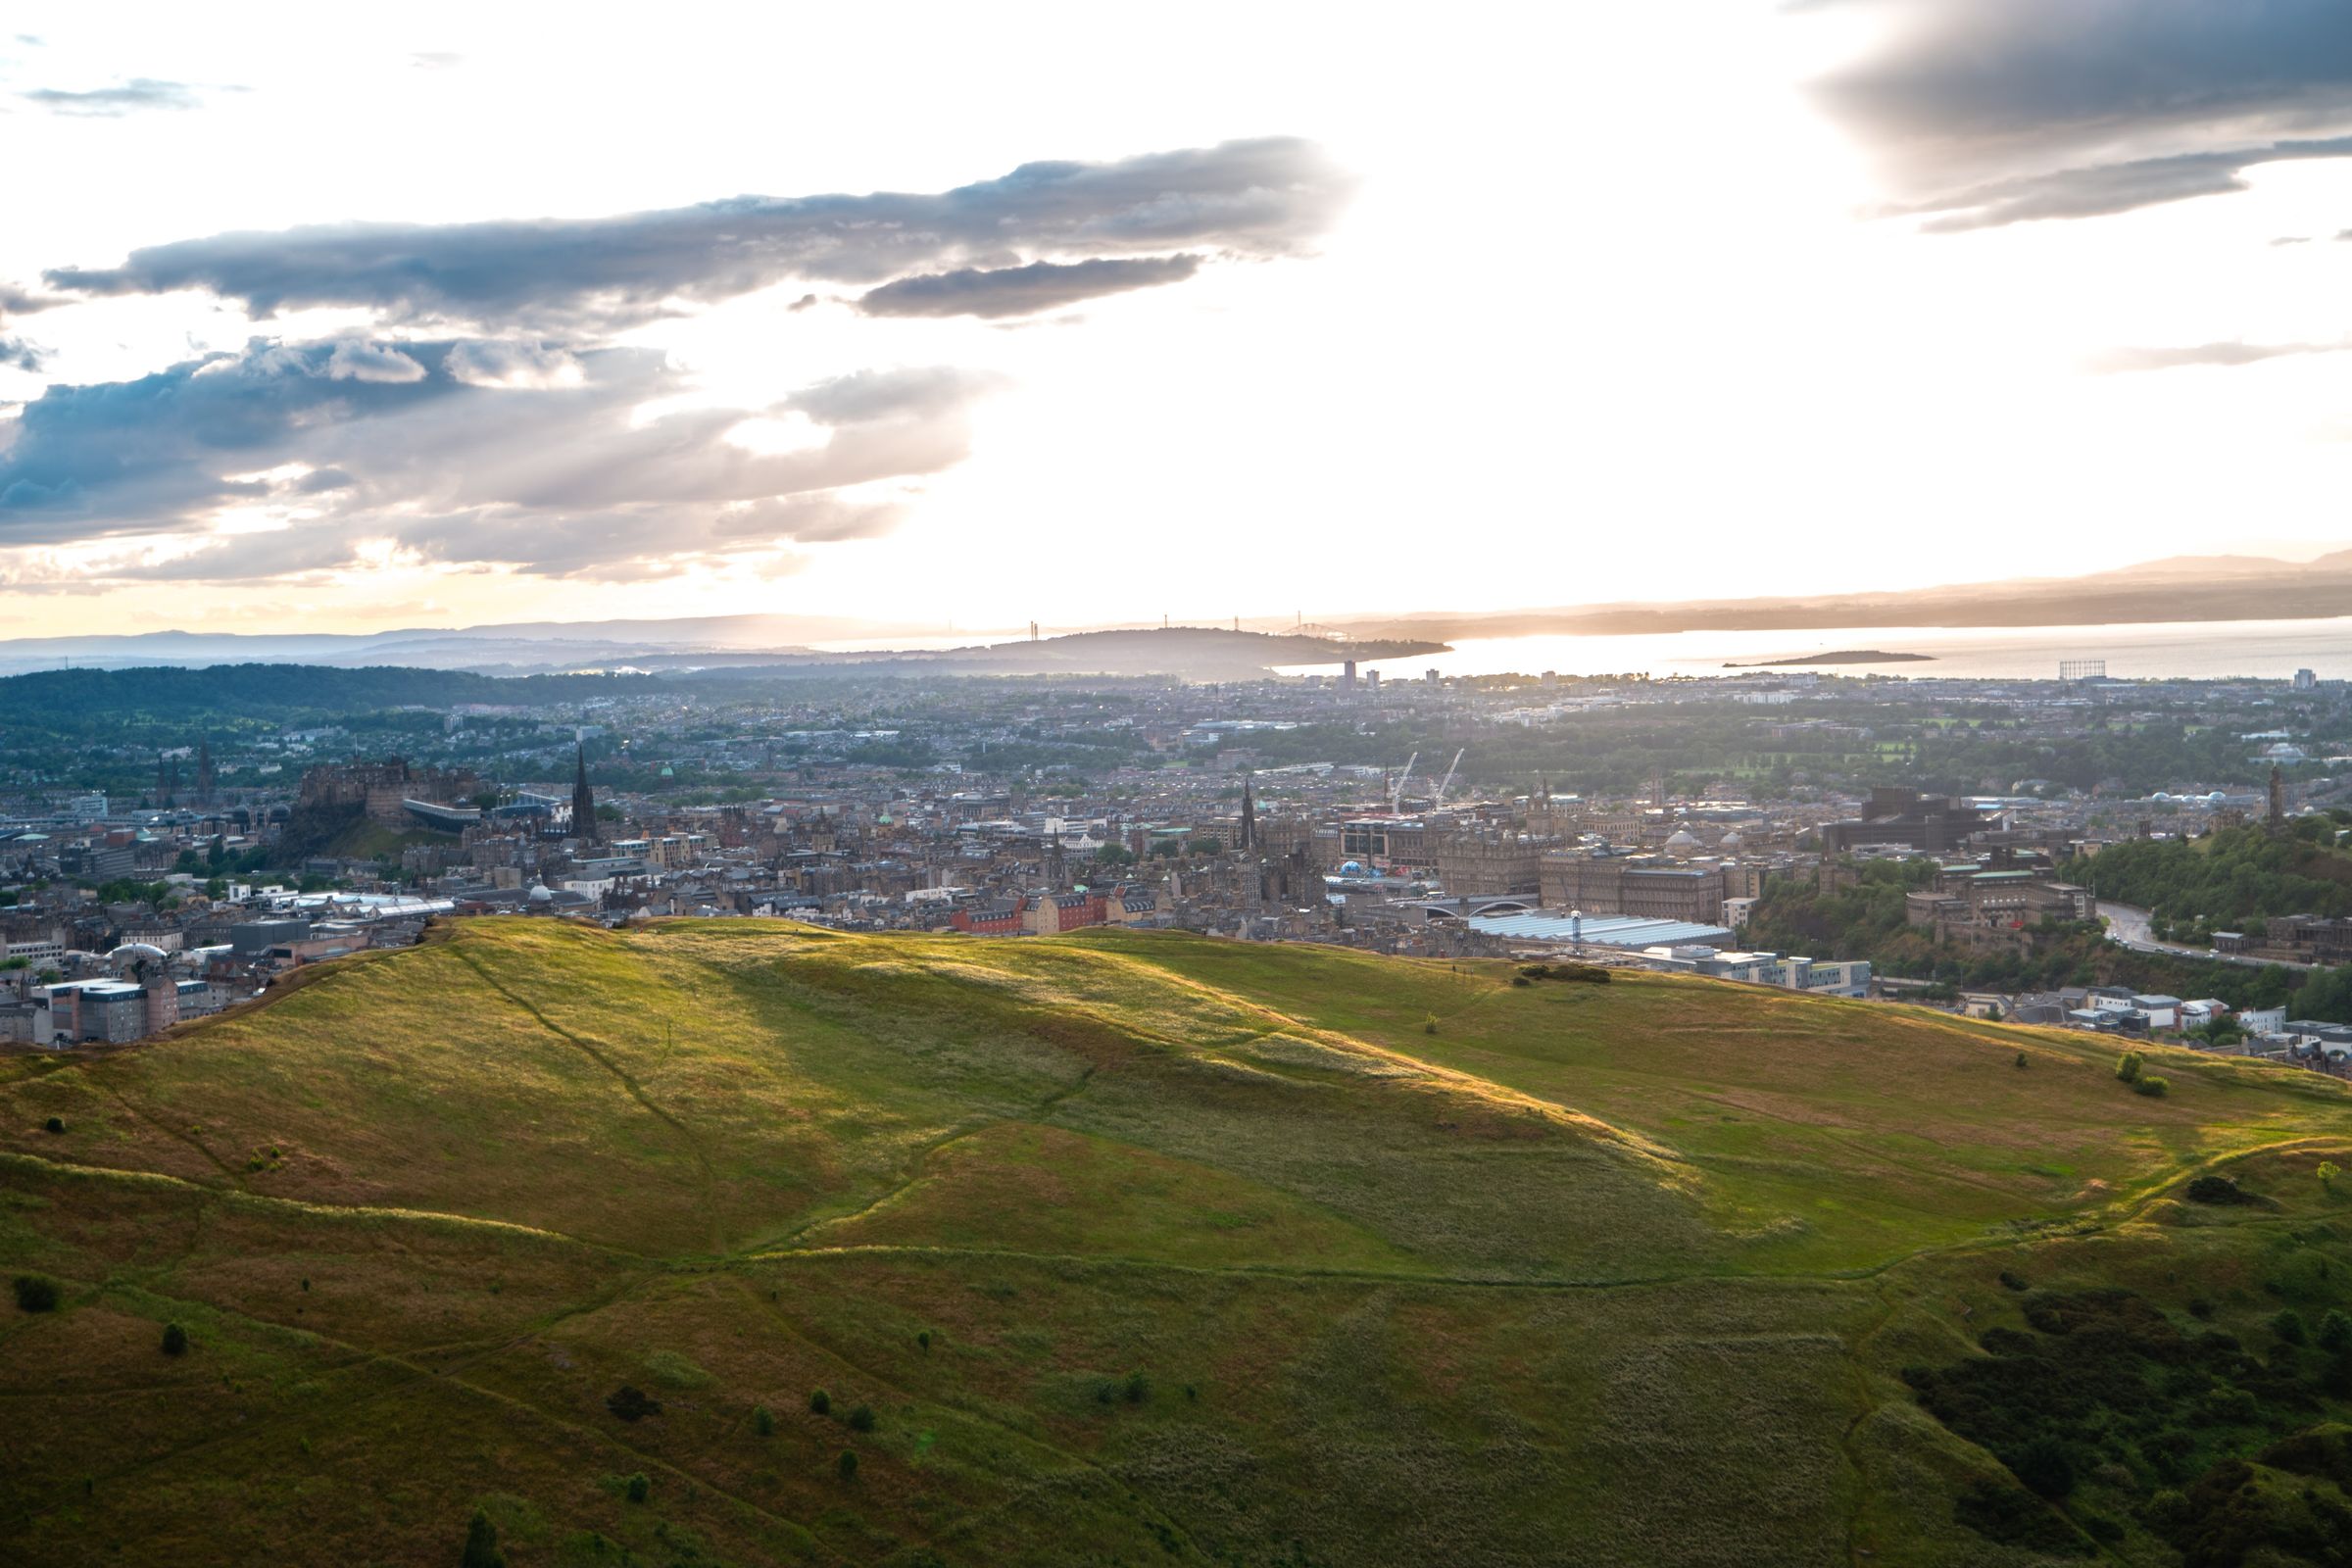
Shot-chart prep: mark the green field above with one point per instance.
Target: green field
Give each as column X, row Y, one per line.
column 1152, row 1248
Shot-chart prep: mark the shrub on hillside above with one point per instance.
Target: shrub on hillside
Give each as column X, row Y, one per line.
column 861, row 1419
column 846, row 1464
column 481, row 1543
column 639, row 1486
column 632, row 1403
column 176, row 1340
column 2219, row 1191
column 2045, row 1467
column 2150, row 1083
column 820, row 1402
column 2128, row 1066
column 762, row 1422
column 37, row 1293
column 55, row 1124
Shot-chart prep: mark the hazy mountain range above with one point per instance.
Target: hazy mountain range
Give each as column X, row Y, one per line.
column 2182, row 588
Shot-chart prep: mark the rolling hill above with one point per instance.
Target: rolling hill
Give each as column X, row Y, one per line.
column 1129, row 1248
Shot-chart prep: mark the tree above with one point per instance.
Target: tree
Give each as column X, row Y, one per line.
column 176, row 1340
column 37, row 1293
column 846, row 1464
column 2335, row 1331
column 2128, row 1066
column 820, row 1402
column 481, row 1543
column 1114, row 855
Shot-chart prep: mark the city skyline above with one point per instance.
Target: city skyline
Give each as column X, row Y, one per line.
column 1818, row 298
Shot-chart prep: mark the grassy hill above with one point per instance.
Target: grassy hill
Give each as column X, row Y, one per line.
column 1154, row 1249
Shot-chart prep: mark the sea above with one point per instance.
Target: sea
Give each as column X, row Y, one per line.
column 2264, row 649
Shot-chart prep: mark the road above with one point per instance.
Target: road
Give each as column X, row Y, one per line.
column 2128, row 927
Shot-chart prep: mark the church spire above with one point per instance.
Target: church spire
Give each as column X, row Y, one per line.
column 583, row 803
column 1249, row 813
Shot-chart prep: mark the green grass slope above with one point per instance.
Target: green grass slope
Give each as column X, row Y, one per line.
column 1147, row 1249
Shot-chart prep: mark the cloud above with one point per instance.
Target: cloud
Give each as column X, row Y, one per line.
column 14, row 301
column 21, row 355
column 434, row 59
column 135, row 96
column 356, row 360
column 2005, row 111
column 2100, row 190
column 2127, row 360
column 401, row 445
column 1022, row 291
column 1263, row 198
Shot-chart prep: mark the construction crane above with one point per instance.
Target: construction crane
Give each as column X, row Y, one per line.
column 1438, row 801
column 1396, row 793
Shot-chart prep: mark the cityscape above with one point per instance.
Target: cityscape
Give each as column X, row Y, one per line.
column 1656, row 825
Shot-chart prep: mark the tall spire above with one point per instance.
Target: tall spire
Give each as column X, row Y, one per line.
column 583, row 803
column 1249, row 813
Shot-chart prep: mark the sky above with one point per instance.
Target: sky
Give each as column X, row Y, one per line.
column 948, row 318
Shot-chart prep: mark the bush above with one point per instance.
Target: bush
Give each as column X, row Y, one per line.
column 820, row 1403
column 1521, row 980
column 37, row 1293
column 176, row 1340
column 762, row 1422
column 2012, row 1282
column 2021, row 1061
column 846, row 1464
column 2128, row 1066
column 2335, row 1331
column 2218, row 1190
column 632, row 1403
column 2150, row 1083
column 861, row 1419
column 2289, row 1326
column 55, row 1124
column 640, row 1487
column 2045, row 1467
column 1138, row 1388
column 924, row 1340
column 1429, row 1023
column 481, row 1543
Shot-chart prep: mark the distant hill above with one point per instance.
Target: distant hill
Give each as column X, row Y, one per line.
column 524, row 651
column 1145, row 1249
column 2177, row 589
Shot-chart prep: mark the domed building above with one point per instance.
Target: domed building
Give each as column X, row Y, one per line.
column 1682, row 843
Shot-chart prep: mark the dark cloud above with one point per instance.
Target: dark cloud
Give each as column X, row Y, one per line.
column 1022, row 291
column 2116, row 361
column 1259, row 198
column 135, row 96
column 21, row 355
column 2002, row 111
column 406, row 442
